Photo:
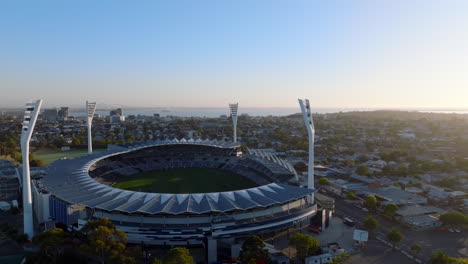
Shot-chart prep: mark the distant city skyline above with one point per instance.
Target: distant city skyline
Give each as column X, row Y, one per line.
column 340, row 54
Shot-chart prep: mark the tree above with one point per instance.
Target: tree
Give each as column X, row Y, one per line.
column 323, row 181
column 178, row 255
column 104, row 243
column 254, row 248
column 399, row 184
column 370, row 223
column 349, row 163
column 440, row 257
column 362, row 158
column 387, row 170
column 391, row 209
column 416, row 248
column 36, row 163
column 401, row 170
column 362, row 170
column 370, row 202
column 340, row 258
column 350, row 195
column 447, row 182
column 395, row 236
column 243, row 148
column 305, row 245
column 76, row 141
column 452, row 218
column 51, row 245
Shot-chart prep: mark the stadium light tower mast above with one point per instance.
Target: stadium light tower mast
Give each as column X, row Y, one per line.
column 234, row 108
column 30, row 117
column 90, row 109
column 307, row 115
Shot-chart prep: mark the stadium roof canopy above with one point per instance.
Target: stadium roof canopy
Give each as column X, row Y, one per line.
column 69, row 180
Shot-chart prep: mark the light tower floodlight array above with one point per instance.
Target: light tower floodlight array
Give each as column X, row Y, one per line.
column 30, row 118
column 307, row 115
column 90, row 109
column 234, row 108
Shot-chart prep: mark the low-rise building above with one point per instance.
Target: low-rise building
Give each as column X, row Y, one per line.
column 420, row 217
column 319, row 259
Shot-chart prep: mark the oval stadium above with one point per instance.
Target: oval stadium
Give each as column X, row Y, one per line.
column 179, row 192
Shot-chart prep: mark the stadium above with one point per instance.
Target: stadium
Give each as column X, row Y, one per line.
column 262, row 196
column 190, row 192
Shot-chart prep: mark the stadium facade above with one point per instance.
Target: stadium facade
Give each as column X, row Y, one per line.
column 80, row 189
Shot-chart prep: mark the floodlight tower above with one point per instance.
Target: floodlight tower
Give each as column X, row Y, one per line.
column 30, row 117
column 234, row 108
column 307, row 115
column 90, row 109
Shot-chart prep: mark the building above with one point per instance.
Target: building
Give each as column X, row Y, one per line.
column 63, row 113
column 116, row 112
column 50, row 114
column 420, row 217
column 319, row 259
column 40, row 197
column 326, row 257
column 116, row 116
column 78, row 192
column 115, row 119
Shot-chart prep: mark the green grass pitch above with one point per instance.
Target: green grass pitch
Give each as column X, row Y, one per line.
column 184, row 180
column 49, row 157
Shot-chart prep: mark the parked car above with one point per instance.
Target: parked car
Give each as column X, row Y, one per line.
column 315, row 231
column 316, row 227
column 347, row 221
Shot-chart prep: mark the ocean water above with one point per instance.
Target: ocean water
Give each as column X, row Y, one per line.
column 216, row 112
column 211, row 112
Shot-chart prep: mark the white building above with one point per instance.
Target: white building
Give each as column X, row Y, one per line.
column 115, row 119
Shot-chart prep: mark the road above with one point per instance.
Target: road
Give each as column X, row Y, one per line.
column 375, row 253
column 430, row 240
column 379, row 253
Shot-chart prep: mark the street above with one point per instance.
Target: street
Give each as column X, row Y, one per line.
column 454, row 244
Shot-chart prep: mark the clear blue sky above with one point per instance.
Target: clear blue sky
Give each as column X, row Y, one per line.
column 258, row 53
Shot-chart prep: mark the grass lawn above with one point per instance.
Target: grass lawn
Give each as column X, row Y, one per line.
column 184, row 180
column 49, row 157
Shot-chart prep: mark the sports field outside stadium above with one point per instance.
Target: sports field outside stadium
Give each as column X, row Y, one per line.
column 184, row 180
column 51, row 156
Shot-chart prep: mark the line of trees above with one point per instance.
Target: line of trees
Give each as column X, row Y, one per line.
column 97, row 242
column 440, row 257
column 454, row 218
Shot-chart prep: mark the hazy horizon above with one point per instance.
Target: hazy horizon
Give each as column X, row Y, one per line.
column 252, row 111
column 340, row 54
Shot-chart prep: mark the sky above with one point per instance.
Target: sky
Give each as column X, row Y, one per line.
column 184, row 53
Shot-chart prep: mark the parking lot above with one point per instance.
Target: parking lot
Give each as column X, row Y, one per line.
column 454, row 244
column 378, row 253
column 337, row 232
